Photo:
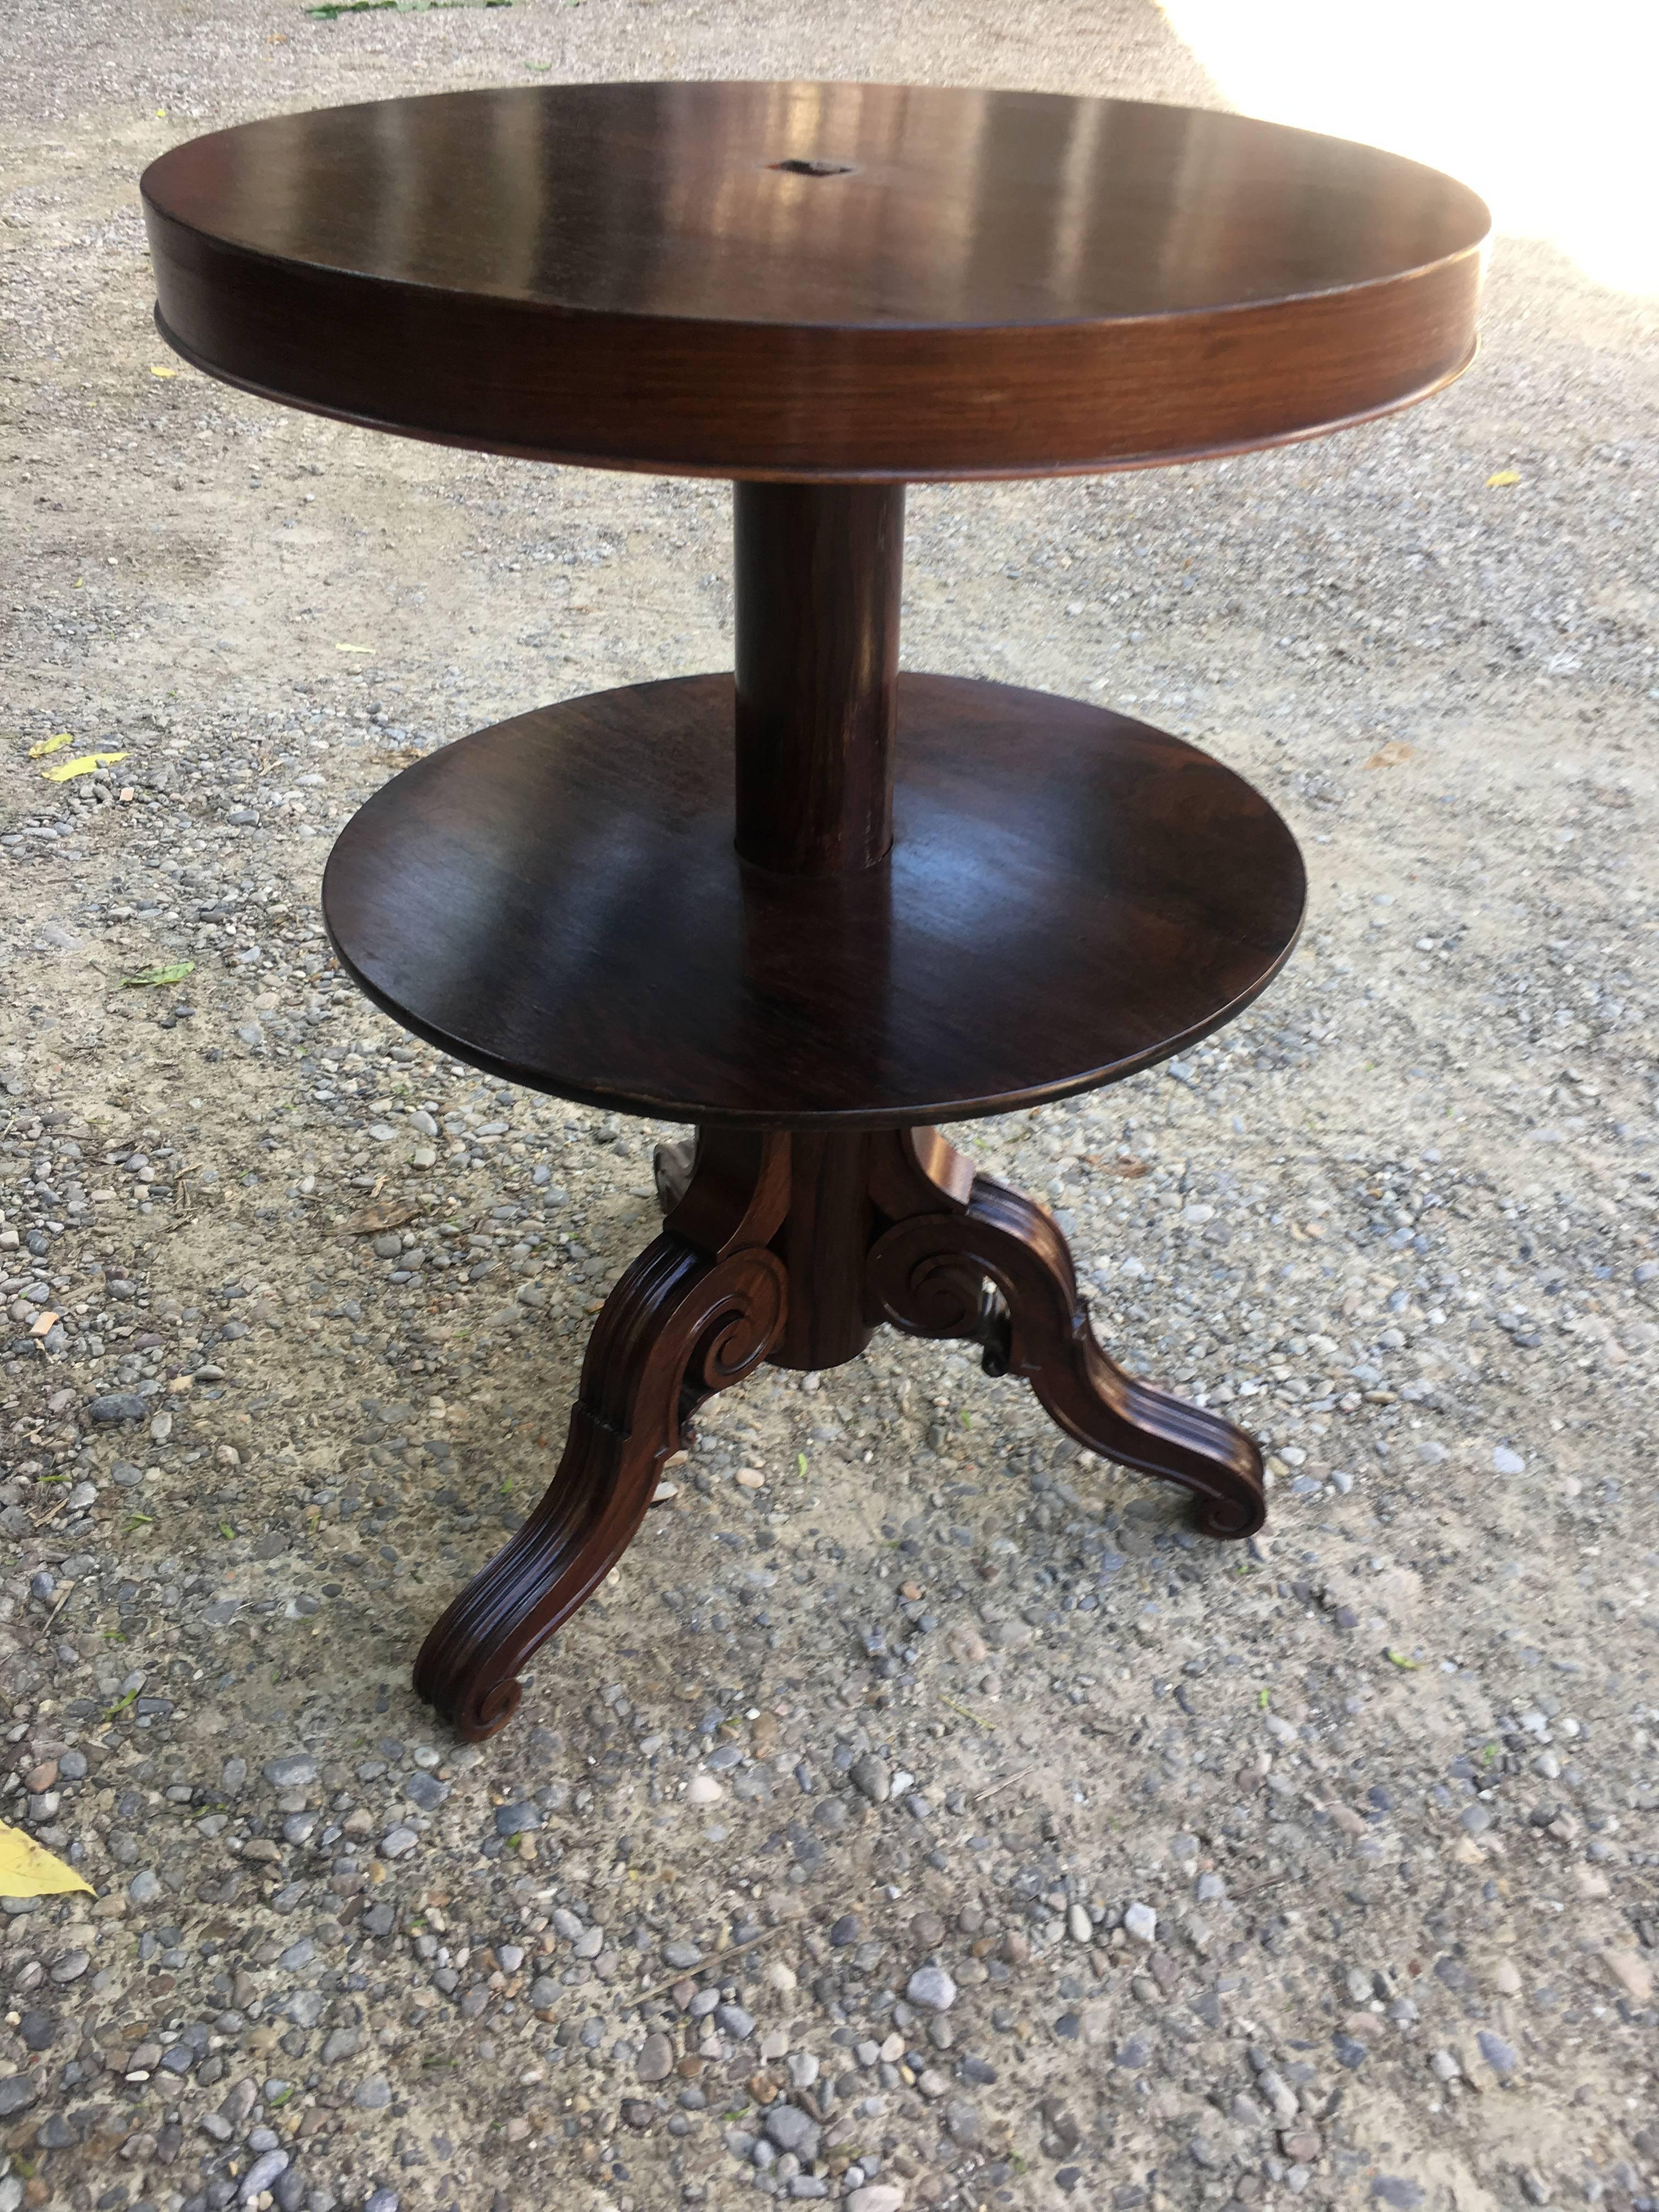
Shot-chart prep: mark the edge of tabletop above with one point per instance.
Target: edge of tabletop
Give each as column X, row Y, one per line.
column 736, row 471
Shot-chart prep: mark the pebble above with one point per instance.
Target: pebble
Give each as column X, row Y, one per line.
column 260, row 2175
column 931, row 1988
column 656, row 2060
column 117, row 1406
column 1141, row 1922
column 1632, row 1972
column 1500, row 2056
column 872, row 1778
column 297, row 1772
column 792, row 2130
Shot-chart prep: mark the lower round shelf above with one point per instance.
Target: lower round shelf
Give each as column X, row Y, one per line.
column 1071, row 896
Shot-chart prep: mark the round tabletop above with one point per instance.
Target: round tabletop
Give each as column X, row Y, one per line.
column 803, row 280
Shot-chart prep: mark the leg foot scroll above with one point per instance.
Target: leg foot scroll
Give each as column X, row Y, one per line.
column 990, row 1266
column 695, row 1314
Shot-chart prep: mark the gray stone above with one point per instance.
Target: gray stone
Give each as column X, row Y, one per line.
column 1501, row 2056
column 516, row 1819
column 117, row 1406
column 372, row 2095
column 931, row 1988
column 260, row 2175
column 790, row 2129
column 1141, row 1922
column 656, row 2060
column 298, row 1772
column 872, row 1778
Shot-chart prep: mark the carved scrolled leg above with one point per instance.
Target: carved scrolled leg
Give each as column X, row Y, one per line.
column 683, row 1321
column 928, row 1273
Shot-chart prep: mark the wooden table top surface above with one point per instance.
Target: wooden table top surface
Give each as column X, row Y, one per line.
column 814, row 279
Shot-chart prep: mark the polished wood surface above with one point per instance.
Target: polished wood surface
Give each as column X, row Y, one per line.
column 792, row 1248
column 801, row 280
column 817, row 576
column 1070, row 896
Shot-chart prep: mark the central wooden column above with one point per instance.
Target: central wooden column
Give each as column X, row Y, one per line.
column 818, row 570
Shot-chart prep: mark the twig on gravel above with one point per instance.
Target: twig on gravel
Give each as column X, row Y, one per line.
column 646, row 1996
column 1006, row 1782
column 967, row 1712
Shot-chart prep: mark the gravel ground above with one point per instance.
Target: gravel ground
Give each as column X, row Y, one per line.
column 921, row 1817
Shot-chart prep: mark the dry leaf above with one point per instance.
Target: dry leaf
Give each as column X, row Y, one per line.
column 1395, row 754
column 353, row 648
column 395, row 1214
column 26, row 1870
column 52, row 744
column 154, row 371
column 82, row 764
column 45, row 1323
column 1132, row 1171
column 1499, row 477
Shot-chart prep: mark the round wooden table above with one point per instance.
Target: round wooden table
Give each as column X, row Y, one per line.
column 817, row 906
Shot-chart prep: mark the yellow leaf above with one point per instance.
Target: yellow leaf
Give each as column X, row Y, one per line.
column 353, row 648
column 161, row 372
column 1499, row 477
column 25, row 1870
column 82, row 764
column 52, row 744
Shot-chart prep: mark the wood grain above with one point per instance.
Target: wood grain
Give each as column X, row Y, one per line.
column 1070, row 895
column 989, row 282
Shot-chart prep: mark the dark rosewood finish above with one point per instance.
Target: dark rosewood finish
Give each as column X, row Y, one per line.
column 1071, row 896
column 816, row 581
column 721, row 1289
column 818, row 907
column 992, row 283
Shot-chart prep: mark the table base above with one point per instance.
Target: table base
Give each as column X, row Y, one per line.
column 793, row 1248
